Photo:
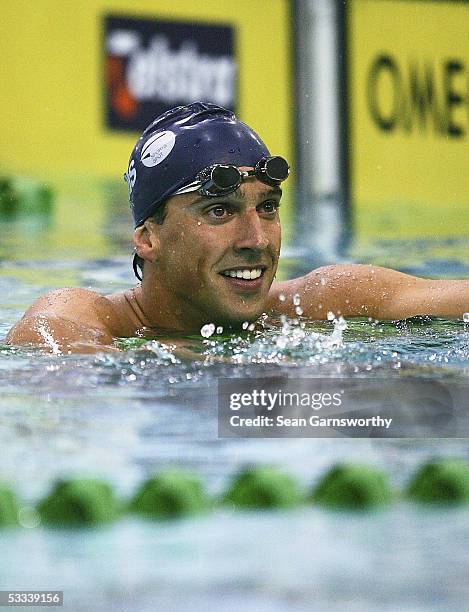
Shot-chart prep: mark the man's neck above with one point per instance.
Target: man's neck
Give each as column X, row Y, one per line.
column 163, row 310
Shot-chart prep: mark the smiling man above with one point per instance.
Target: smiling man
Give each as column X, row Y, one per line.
column 204, row 193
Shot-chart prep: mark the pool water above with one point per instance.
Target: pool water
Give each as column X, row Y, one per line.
column 122, row 417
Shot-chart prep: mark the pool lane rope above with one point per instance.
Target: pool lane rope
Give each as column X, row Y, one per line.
column 175, row 493
column 20, row 195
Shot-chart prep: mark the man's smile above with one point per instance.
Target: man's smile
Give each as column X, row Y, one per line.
column 245, row 273
column 246, row 278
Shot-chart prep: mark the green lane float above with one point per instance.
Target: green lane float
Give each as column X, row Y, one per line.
column 79, row 501
column 175, row 493
column 262, row 487
column 170, row 494
column 441, row 481
column 19, row 194
column 9, row 506
column 352, row 486
column 9, row 200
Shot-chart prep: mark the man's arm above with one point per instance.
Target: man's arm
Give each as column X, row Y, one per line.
column 354, row 290
column 67, row 321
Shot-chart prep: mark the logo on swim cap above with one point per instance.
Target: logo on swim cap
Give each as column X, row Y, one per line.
column 157, row 148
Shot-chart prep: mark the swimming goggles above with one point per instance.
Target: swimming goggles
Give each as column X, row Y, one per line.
column 219, row 180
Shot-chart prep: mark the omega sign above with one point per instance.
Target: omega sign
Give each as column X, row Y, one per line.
column 153, row 65
column 419, row 95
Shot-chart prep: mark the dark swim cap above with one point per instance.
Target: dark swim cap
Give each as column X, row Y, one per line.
column 177, row 145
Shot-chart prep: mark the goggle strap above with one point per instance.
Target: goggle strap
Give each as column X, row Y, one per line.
column 188, row 188
column 136, row 268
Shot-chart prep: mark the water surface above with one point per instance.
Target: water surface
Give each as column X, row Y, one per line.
column 124, row 416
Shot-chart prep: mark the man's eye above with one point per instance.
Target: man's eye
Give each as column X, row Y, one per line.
column 219, row 211
column 271, row 206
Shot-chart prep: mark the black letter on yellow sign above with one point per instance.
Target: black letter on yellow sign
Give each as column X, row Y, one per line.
column 382, row 64
column 450, row 69
column 423, row 98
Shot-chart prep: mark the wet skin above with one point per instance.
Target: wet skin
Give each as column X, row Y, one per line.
column 184, row 286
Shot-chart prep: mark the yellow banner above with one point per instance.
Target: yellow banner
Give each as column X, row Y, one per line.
column 52, row 72
column 408, row 66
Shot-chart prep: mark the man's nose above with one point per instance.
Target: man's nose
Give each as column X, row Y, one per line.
column 251, row 233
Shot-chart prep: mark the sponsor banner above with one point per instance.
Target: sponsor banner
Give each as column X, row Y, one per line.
column 408, row 100
column 152, row 65
column 56, row 109
column 342, row 407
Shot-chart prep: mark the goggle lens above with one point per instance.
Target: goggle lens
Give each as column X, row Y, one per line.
column 225, row 177
column 276, row 168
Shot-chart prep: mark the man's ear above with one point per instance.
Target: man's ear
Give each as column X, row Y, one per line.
column 146, row 241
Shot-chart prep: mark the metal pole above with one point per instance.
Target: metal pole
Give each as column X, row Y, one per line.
column 320, row 202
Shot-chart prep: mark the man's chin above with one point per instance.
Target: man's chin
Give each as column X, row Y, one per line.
column 236, row 320
column 235, row 307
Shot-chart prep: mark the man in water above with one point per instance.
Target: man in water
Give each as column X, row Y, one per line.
column 205, row 193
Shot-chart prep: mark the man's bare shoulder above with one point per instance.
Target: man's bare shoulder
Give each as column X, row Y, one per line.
column 65, row 317
column 72, row 301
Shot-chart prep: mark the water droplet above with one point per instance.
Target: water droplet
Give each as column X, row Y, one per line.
column 245, row 324
column 298, row 334
column 465, row 317
column 281, row 297
column 299, row 310
column 296, row 299
column 342, row 324
column 219, row 329
column 251, row 327
column 281, row 342
column 207, row 330
column 330, row 316
column 199, row 222
column 323, row 281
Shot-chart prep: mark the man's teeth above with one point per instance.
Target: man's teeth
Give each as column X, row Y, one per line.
column 244, row 274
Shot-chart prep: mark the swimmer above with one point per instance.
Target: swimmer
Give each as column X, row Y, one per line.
column 205, row 194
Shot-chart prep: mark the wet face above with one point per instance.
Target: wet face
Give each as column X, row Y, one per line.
column 217, row 257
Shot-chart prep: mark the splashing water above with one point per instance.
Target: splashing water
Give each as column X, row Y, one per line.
column 336, row 338
column 281, row 341
column 207, row 330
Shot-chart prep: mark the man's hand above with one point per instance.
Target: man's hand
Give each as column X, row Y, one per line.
column 354, row 290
